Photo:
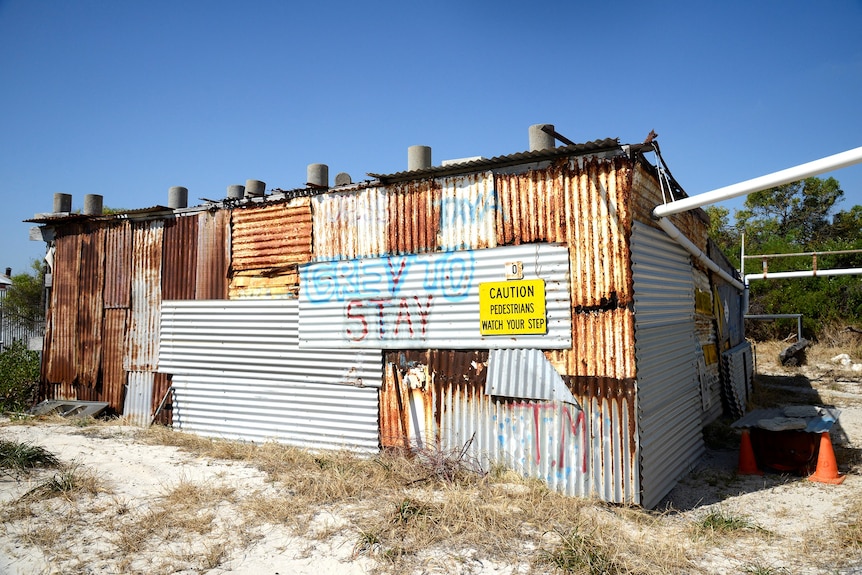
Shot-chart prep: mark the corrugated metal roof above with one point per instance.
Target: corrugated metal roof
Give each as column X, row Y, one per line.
column 596, row 146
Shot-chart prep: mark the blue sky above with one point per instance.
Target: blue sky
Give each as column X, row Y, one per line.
column 127, row 99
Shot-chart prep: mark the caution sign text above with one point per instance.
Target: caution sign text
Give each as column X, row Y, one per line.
column 512, row 308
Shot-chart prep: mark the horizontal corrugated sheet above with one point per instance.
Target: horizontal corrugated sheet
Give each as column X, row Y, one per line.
column 268, row 243
column 238, row 372
column 669, row 402
column 271, row 236
column 427, row 300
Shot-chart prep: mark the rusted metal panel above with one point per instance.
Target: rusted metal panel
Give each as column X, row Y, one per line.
column 583, row 202
column 162, row 399
column 349, row 225
column 142, row 338
column 118, row 265
column 61, row 350
column 90, row 307
column 271, row 236
column 468, row 212
column 211, row 279
column 179, row 258
column 267, row 244
column 414, row 217
column 586, row 448
column 113, row 355
column 420, row 301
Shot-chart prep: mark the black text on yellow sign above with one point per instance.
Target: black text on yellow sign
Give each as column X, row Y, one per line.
column 512, row 308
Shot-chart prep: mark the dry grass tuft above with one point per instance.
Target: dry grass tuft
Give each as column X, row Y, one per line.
column 70, row 482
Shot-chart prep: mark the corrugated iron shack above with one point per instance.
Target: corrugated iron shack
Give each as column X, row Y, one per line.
column 526, row 308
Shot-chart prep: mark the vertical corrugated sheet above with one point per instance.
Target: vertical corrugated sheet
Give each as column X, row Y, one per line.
column 427, row 300
column 525, row 374
column 468, row 212
column 267, row 244
column 738, row 367
column 113, row 355
column 60, row 356
column 142, row 339
column 213, row 255
column 669, row 404
column 577, row 450
column 118, row 265
column 413, row 216
column 179, row 258
column 137, row 408
column 350, row 225
column 238, row 373
column 90, row 306
column 162, row 397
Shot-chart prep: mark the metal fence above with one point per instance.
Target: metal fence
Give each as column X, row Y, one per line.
column 13, row 328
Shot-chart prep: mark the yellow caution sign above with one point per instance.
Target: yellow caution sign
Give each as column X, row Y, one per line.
column 512, row 308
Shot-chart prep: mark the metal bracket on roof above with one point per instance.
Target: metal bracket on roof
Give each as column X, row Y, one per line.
column 69, row 408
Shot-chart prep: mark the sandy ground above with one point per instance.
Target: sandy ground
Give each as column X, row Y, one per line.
column 799, row 515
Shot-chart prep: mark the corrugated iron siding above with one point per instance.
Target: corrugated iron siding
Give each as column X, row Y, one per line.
column 90, row 306
column 352, row 225
column 179, row 258
column 118, row 265
column 669, row 404
column 413, row 218
column 238, row 372
column 267, row 244
column 61, row 342
column 427, row 300
column 468, row 212
column 578, row 450
column 211, row 281
column 142, row 338
column 113, row 354
column 137, row 408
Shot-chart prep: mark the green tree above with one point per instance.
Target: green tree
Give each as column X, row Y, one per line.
column 24, row 298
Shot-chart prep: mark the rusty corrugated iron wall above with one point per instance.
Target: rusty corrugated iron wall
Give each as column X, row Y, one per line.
column 61, row 347
column 213, row 251
column 180, row 258
column 142, row 338
column 267, row 244
column 90, row 306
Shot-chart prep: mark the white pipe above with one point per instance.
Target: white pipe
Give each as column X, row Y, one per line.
column 695, row 251
column 794, row 174
column 803, row 274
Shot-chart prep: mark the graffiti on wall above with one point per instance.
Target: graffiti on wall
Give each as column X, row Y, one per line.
column 550, row 435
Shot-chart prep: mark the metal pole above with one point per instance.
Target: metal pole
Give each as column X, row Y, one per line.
column 794, row 174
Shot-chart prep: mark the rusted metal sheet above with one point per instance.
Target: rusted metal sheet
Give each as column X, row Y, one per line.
column 142, row 338
column 61, row 350
column 211, row 280
column 585, row 448
column 162, row 399
column 583, row 202
column 179, row 257
column 348, row 225
column 90, row 307
column 432, row 300
column 468, row 212
column 267, row 244
column 113, row 353
column 413, row 216
column 118, row 265
column 271, row 236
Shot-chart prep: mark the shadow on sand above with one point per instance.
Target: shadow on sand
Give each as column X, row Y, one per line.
column 715, row 476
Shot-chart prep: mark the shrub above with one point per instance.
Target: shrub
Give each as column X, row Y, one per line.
column 19, row 377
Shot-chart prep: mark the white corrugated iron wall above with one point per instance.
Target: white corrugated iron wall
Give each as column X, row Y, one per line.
column 138, row 401
column 427, row 301
column 669, row 403
column 239, row 374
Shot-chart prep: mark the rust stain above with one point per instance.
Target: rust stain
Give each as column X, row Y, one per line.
column 113, row 382
column 142, row 338
column 213, row 259
column 118, row 265
column 179, row 258
column 271, row 236
column 60, row 358
column 90, row 305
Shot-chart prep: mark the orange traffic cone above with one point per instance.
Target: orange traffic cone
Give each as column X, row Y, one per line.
column 827, row 469
column 747, row 463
